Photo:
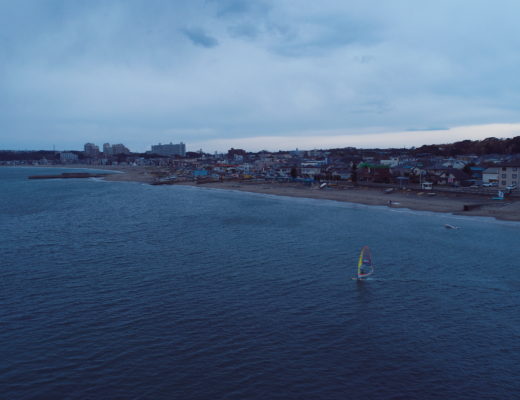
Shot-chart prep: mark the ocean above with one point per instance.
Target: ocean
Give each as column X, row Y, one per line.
column 117, row 290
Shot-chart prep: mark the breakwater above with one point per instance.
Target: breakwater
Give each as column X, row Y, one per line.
column 66, row 175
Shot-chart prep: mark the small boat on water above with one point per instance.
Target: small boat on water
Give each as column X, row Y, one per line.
column 365, row 267
column 448, row 226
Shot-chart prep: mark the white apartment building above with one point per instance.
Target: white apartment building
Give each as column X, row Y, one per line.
column 509, row 174
column 169, row 149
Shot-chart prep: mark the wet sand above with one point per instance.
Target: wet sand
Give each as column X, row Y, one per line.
column 508, row 209
column 444, row 203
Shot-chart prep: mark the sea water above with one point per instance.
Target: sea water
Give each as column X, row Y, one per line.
column 123, row 290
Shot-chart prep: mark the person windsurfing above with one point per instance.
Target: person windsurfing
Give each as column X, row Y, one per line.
column 365, row 267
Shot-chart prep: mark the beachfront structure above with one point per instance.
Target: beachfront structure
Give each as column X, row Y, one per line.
column 169, row 149
column 509, row 175
column 91, row 150
column 310, row 169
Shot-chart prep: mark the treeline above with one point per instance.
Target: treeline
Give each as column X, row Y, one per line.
column 6, row 155
column 490, row 145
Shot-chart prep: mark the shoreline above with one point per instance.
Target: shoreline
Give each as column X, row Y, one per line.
column 452, row 203
column 440, row 203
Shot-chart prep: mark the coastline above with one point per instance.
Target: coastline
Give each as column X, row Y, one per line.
column 453, row 203
column 440, row 203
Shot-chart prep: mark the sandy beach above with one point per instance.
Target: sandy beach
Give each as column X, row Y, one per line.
column 441, row 202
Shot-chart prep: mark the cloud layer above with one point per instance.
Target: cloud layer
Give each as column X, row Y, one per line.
column 216, row 72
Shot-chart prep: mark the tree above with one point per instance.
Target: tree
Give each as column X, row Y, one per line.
column 294, row 172
column 467, row 168
column 354, row 172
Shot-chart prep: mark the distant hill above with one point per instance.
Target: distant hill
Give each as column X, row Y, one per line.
column 490, row 145
column 8, row 155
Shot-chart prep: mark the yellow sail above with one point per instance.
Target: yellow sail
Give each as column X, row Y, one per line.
column 365, row 267
column 360, row 262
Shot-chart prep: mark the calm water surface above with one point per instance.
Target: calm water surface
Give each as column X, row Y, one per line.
column 122, row 290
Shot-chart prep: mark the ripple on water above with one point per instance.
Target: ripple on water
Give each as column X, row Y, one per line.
column 130, row 291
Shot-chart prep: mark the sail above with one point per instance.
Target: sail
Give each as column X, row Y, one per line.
column 365, row 267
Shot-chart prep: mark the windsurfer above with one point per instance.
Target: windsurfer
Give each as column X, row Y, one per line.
column 364, row 267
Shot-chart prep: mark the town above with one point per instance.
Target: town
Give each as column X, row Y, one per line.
column 479, row 166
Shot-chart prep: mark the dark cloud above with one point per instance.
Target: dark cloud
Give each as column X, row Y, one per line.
column 200, row 38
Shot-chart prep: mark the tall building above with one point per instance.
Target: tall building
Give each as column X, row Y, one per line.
column 107, row 149
column 91, row 150
column 120, row 149
column 169, row 149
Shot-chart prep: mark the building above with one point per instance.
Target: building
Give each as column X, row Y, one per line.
column 68, row 157
column 91, row 150
column 233, row 153
column 169, row 149
column 310, row 169
column 119, row 149
column 377, row 173
column 453, row 163
column 391, row 162
column 107, row 149
column 508, row 175
column 490, row 175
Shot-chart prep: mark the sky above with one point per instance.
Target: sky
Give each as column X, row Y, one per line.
column 257, row 74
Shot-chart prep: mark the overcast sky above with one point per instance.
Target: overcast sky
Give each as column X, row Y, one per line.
column 257, row 74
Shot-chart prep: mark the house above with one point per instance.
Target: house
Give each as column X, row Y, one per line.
column 341, row 173
column 476, row 172
column 373, row 173
column 453, row 163
column 453, row 177
column 404, row 170
column 391, row 162
column 490, row 175
column 310, row 169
